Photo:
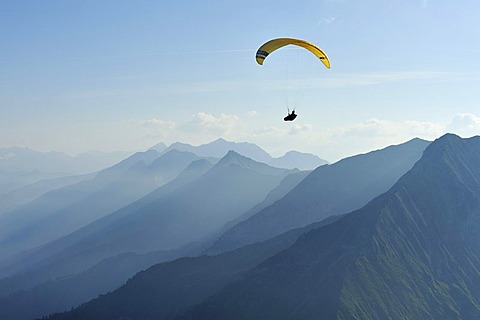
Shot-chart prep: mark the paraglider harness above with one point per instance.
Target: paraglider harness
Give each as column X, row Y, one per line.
column 291, row 116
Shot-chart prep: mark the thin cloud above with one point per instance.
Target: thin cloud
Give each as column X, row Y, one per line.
column 331, row 143
column 328, row 20
column 201, row 124
column 158, row 123
column 268, row 132
column 300, row 128
column 465, row 125
column 339, row 80
column 380, row 128
column 368, row 79
column 335, row 81
column 209, row 125
column 253, row 114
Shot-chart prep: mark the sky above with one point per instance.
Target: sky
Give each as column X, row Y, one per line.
column 126, row 75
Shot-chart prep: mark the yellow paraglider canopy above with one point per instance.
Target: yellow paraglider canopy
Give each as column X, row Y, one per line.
column 275, row 44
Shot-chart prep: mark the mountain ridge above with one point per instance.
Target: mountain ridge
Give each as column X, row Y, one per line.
column 411, row 253
column 76, row 206
column 163, row 222
column 299, row 160
column 330, row 189
column 219, row 148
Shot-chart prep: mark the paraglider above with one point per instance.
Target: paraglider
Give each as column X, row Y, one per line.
column 275, row 44
column 291, row 116
column 267, row 48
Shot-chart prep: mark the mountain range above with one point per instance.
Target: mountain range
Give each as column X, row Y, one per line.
column 391, row 234
column 75, row 250
column 192, row 207
column 23, row 195
column 26, row 175
column 70, row 207
column 299, row 160
column 22, row 166
column 45, row 297
column 220, row 147
column 329, row 190
column 64, row 210
column 189, row 213
column 410, row 253
column 191, row 278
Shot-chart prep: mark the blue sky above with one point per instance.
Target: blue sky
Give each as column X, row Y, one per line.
column 125, row 75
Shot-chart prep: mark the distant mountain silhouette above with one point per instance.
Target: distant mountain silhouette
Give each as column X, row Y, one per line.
column 22, row 166
column 411, row 253
column 220, row 147
column 10, row 181
column 159, row 221
column 299, row 160
column 191, row 212
column 64, row 210
column 160, row 147
column 50, row 297
column 329, row 190
column 23, row 195
column 28, row 226
column 71, row 254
